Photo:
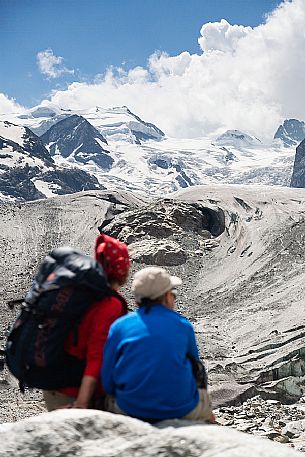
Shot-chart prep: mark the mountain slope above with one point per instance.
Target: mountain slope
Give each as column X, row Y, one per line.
column 237, row 138
column 116, row 124
column 74, row 137
column 240, row 255
column 22, row 145
column 28, row 172
column 40, row 118
column 119, row 123
column 292, row 132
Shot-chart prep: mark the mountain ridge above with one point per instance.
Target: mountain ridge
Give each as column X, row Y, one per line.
column 119, row 149
column 28, row 172
column 291, row 132
column 75, row 136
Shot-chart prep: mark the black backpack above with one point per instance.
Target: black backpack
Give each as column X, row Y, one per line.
column 67, row 283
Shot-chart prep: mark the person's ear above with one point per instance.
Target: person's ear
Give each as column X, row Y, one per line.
column 169, row 300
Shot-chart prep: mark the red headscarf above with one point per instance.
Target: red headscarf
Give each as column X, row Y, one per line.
column 113, row 255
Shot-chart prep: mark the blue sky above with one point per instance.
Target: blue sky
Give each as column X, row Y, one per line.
column 91, row 35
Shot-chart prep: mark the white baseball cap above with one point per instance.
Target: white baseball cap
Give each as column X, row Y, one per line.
column 153, row 282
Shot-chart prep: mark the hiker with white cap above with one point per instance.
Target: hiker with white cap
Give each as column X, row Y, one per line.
column 147, row 369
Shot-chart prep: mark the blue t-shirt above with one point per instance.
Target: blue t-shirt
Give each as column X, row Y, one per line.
column 145, row 364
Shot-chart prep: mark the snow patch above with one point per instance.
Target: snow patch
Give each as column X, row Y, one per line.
column 46, row 188
column 12, row 132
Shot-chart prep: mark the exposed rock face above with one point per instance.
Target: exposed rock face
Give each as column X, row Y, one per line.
column 95, row 433
column 17, row 183
column 165, row 233
column 75, row 136
column 161, row 219
column 298, row 175
column 157, row 252
column 28, row 172
column 69, row 181
column 23, row 156
column 24, row 183
column 173, row 166
column 292, row 132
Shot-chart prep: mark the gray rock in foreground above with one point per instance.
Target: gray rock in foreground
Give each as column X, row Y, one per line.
column 89, row 433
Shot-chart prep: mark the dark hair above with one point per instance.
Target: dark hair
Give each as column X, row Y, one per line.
column 120, row 281
column 148, row 303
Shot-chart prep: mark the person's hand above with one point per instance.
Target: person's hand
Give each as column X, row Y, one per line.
column 212, row 419
column 67, row 406
column 79, row 405
column 75, row 404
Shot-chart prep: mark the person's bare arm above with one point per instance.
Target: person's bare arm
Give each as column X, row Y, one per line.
column 86, row 391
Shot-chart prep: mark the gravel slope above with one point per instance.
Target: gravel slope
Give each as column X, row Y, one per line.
column 243, row 289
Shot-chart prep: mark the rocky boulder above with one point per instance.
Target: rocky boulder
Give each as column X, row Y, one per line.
column 295, row 429
column 267, row 418
column 160, row 219
column 165, row 232
column 89, row 433
column 157, row 252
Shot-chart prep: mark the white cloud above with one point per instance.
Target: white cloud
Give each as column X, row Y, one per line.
column 221, row 36
column 245, row 78
column 9, row 105
column 51, row 65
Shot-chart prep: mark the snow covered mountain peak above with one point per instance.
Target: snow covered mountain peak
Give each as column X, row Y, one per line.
column 44, row 112
column 28, row 172
column 115, row 148
column 291, row 132
column 119, row 123
column 75, row 138
column 115, row 110
column 237, row 138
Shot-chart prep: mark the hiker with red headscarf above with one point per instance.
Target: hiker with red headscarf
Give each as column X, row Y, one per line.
column 93, row 329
